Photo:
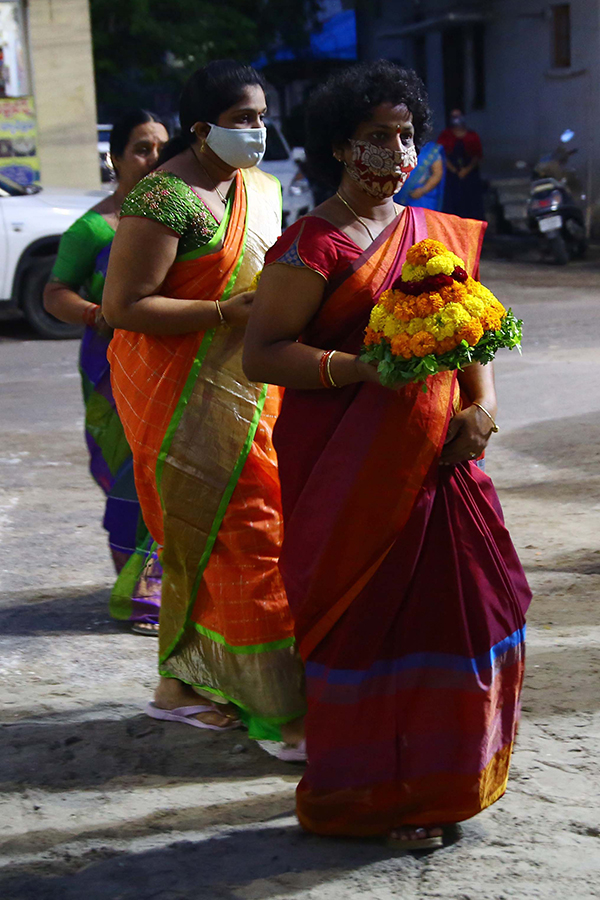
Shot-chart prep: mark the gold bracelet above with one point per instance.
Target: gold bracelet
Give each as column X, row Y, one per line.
column 495, row 428
column 222, row 319
column 329, row 375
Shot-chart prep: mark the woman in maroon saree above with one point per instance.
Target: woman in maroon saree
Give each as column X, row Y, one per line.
column 407, row 594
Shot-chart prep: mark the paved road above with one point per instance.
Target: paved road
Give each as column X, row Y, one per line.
column 99, row 802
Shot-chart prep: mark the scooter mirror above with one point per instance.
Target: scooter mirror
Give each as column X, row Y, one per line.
column 567, row 136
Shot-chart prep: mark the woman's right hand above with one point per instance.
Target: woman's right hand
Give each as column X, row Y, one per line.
column 236, row 310
column 367, row 371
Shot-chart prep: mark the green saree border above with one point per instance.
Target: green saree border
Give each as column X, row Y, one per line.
column 176, row 419
column 207, row 248
column 180, row 408
column 217, row 638
column 221, row 509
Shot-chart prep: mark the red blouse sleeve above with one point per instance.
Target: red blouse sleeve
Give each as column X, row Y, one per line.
column 311, row 243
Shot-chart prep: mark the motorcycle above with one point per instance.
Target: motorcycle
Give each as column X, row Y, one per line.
column 554, row 211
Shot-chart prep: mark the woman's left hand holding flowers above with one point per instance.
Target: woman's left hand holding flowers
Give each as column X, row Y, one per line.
column 468, row 434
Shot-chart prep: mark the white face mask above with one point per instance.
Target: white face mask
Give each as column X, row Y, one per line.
column 238, row 147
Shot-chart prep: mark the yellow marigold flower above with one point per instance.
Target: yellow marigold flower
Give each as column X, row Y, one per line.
column 415, row 325
column 442, row 264
column 401, row 346
column 439, row 328
column 422, row 343
column 457, row 261
column 392, row 327
column 377, row 318
column 413, row 273
column 436, row 301
column 475, row 306
column 472, row 332
column 455, row 314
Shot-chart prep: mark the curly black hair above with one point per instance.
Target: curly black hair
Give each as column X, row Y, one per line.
column 347, row 98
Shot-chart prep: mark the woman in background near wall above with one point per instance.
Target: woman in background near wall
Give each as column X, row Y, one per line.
column 136, row 140
column 463, row 195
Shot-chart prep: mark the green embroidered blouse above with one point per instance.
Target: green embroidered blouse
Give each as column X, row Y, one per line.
column 166, row 198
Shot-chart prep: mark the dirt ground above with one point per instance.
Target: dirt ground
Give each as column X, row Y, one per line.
column 100, row 802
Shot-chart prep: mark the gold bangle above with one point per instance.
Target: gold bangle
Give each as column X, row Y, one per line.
column 495, row 428
column 222, row 319
column 329, row 375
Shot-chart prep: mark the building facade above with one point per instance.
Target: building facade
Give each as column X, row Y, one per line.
column 47, row 82
column 523, row 71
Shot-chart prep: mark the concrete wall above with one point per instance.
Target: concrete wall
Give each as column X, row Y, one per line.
column 528, row 104
column 60, row 46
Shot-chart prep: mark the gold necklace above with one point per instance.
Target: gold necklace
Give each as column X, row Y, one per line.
column 209, row 176
column 359, row 218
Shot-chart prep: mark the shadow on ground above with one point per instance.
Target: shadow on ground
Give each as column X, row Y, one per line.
column 59, row 611
column 55, row 754
column 252, row 863
column 573, row 441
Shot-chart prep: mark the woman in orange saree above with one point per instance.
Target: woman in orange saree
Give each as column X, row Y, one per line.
column 192, row 237
column 407, row 593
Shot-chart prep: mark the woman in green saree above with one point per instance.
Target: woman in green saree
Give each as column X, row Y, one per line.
column 136, row 140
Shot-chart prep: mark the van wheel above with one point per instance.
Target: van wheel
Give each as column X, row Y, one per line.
column 32, row 304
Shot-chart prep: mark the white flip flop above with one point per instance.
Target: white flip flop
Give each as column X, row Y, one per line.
column 186, row 714
column 285, row 752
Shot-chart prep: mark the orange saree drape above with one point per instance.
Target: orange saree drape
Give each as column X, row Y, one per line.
column 207, row 480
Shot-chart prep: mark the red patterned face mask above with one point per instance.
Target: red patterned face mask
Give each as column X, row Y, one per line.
column 379, row 171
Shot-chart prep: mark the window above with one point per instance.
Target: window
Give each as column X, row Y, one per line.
column 561, row 36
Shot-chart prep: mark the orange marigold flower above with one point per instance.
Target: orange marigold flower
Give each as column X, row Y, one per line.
column 422, row 343
column 371, row 337
column 447, row 344
column 388, row 300
column 471, row 332
column 405, row 309
column 423, row 306
column 420, row 253
column 490, row 321
column 401, row 345
column 436, row 302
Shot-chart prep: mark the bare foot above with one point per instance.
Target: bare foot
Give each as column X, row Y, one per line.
column 293, row 732
column 171, row 694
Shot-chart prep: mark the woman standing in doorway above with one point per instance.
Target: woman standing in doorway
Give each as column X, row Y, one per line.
column 192, row 237
column 463, row 195
column 135, row 143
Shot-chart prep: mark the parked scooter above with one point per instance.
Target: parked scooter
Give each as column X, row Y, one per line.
column 555, row 209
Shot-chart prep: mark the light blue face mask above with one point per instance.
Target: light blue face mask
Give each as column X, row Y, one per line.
column 240, row 148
